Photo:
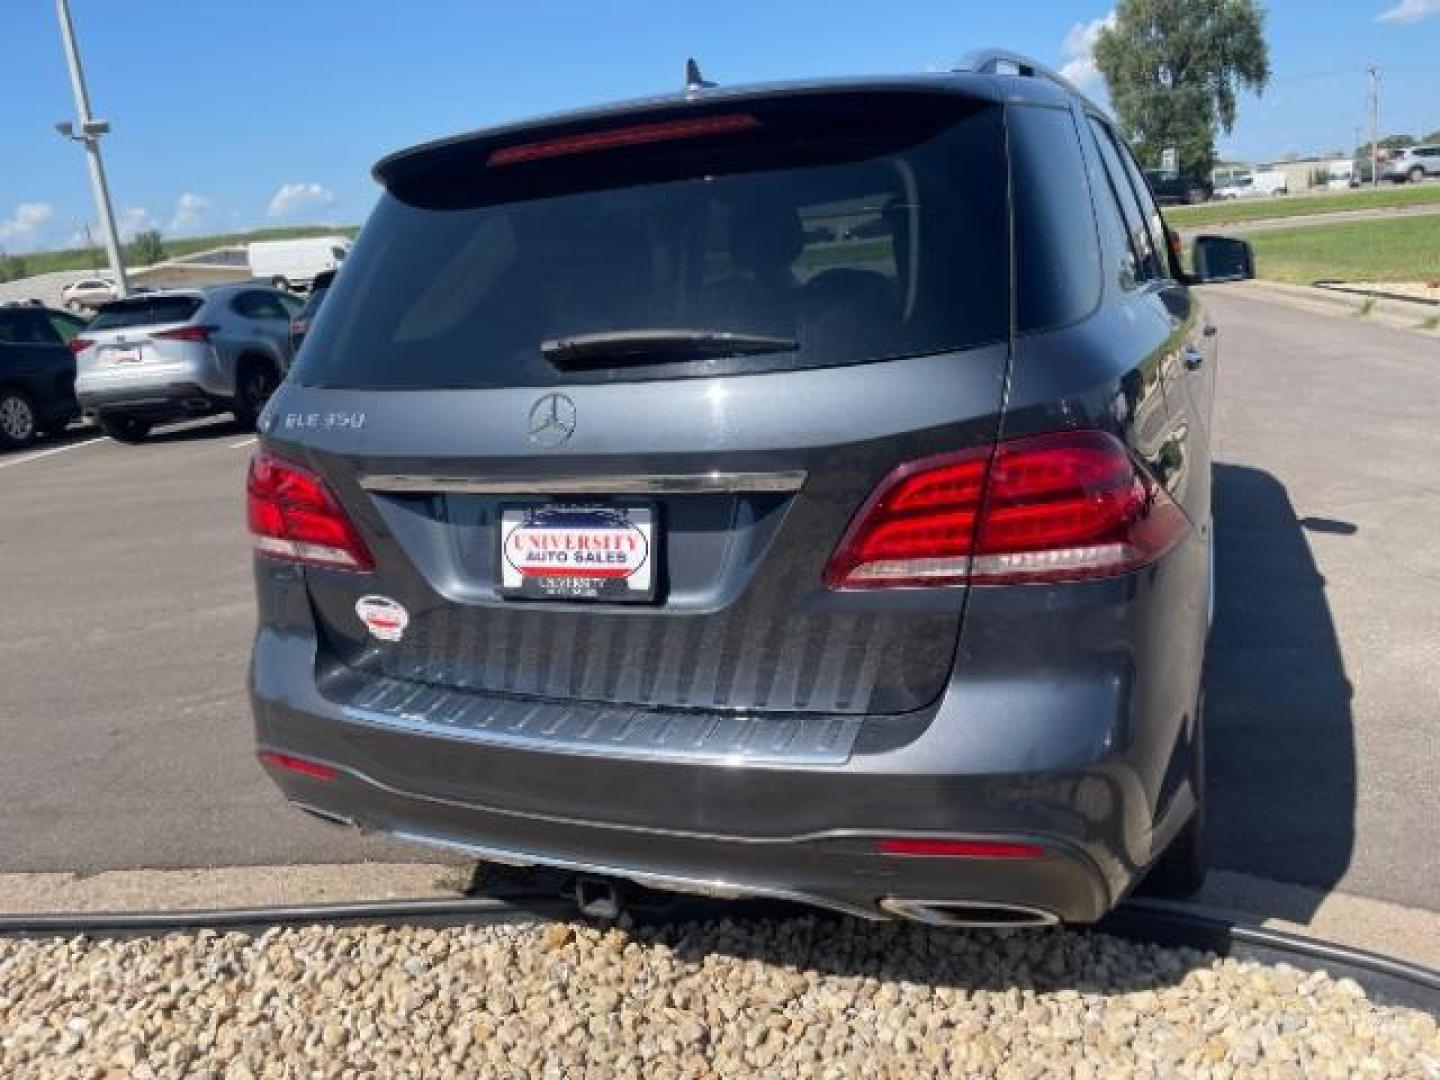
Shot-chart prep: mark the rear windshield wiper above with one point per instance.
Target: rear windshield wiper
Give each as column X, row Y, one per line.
column 610, row 348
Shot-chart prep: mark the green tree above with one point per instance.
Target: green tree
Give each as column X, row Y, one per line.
column 1175, row 69
column 147, row 248
column 1396, row 142
column 12, row 267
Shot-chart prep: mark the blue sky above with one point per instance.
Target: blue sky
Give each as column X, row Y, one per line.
column 233, row 115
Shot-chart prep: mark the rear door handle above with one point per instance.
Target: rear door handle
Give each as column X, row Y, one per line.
column 1193, row 357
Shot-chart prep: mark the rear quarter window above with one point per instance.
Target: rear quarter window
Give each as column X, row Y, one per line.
column 1057, row 253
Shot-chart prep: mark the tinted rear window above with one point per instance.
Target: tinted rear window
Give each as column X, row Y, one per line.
column 145, row 311
column 857, row 246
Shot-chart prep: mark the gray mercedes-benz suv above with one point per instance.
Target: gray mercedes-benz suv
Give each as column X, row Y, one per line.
column 795, row 491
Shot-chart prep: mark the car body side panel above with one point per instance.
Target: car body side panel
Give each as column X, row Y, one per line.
column 1123, row 371
column 46, row 374
column 44, row 370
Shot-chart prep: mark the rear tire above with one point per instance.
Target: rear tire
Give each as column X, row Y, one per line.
column 19, row 426
column 255, row 381
column 280, row 282
column 126, row 429
column 1179, row 873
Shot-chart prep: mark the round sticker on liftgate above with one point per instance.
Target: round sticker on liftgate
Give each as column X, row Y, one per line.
column 577, row 552
column 386, row 619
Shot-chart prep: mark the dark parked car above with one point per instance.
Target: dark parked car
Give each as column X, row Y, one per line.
column 300, row 324
column 37, row 372
column 1178, row 189
column 619, row 517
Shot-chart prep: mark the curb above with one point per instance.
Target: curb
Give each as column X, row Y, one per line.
column 1413, row 316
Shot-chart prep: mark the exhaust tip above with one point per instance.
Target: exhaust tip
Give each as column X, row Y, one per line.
column 961, row 913
column 598, row 898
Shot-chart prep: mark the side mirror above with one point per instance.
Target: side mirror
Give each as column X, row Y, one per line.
column 1221, row 258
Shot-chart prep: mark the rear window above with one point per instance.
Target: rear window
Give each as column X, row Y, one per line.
column 145, row 311
column 858, row 241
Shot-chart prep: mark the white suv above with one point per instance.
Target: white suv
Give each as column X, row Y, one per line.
column 1413, row 164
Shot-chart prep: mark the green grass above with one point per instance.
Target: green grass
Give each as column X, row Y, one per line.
column 45, row 262
column 1242, row 210
column 1404, row 249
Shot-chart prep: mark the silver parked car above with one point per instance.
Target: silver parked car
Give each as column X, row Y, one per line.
column 1412, row 165
column 167, row 356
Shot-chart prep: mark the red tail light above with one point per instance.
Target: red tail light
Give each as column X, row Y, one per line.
column 303, row 766
column 294, row 517
column 928, row 848
column 186, row 333
column 636, row 135
column 1060, row 507
column 79, row 345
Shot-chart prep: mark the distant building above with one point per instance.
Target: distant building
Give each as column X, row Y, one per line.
column 1301, row 174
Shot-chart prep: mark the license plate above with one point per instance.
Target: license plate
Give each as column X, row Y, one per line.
column 569, row 552
column 123, row 356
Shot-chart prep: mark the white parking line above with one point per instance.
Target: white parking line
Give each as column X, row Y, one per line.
column 245, row 442
column 53, row 450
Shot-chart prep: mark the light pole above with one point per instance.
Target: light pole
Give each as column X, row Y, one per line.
column 90, row 131
column 1374, row 73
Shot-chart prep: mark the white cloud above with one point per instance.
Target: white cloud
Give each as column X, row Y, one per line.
column 133, row 220
column 1078, row 48
column 1409, row 11
column 298, row 198
column 190, row 210
column 23, row 226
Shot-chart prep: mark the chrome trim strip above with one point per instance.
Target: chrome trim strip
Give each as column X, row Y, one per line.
column 724, row 890
column 652, row 484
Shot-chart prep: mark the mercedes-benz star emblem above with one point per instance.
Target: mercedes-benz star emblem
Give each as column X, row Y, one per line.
column 552, row 420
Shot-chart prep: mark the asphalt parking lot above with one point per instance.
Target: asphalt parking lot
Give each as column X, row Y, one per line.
column 127, row 596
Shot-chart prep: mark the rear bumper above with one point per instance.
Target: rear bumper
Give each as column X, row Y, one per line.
column 1087, row 760
column 154, row 402
column 837, row 869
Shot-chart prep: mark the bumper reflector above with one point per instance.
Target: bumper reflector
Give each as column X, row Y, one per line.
column 925, row 847
column 312, row 769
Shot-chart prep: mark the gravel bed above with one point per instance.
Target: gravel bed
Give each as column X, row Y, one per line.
column 802, row 997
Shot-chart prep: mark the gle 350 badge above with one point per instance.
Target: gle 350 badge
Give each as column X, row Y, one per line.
column 578, row 553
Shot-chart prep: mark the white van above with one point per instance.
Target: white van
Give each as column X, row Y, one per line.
column 1254, row 185
column 293, row 264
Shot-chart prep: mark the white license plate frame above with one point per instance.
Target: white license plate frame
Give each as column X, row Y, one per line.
column 578, row 552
